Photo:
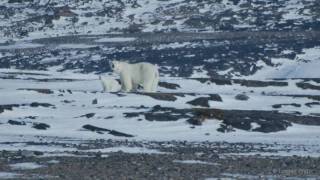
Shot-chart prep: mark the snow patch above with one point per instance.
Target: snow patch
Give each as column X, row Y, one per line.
column 25, row 166
column 76, row 46
column 115, row 39
column 53, row 161
column 9, row 175
column 132, row 150
column 199, row 72
column 305, row 65
column 21, row 45
column 254, row 125
column 174, row 45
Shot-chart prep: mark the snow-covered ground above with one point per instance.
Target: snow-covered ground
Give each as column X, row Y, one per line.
column 70, row 100
column 305, row 65
column 26, row 165
column 62, row 100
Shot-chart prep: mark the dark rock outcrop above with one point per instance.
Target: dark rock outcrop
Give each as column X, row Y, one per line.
column 40, row 126
column 14, row 122
column 204, row 101
column 201, row 101
column 277, row 106
column 37, row 104
column 310, row 104
column 169, row 85
column 43, row 91
column 101, row 130
column 304, row 85
column 89, row 115
column 161, row 96
column 266, row 121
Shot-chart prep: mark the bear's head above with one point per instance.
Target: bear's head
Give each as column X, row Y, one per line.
column 115, row 66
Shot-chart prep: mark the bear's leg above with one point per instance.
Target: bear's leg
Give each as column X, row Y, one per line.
column 126, row 84
column 135, row 87
column 155, row 83
column 104, row 83
column 147, row 85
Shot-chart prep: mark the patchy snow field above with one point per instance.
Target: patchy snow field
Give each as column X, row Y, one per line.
column 239, row 91
column 61, row 99
column 65, row 106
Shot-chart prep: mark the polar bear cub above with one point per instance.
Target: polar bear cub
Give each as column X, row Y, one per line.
column 133, row 75
column 109, row 84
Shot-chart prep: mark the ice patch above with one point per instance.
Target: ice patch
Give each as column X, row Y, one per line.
column 76, row 46
column 132, row 150
column 225, row 72
column 189, row 55
column 25, row 166
column 254, row 125
column 9, row 175
column 53, row 161
column 21, row 45
column 49, row 60
column 115, row 39
column 174, row 45
column 305, row 65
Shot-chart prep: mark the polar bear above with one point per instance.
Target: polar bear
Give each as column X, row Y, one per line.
column 133, row 75
column 109, row 84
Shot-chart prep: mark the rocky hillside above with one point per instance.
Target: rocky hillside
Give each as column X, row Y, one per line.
column 220, row 38
column 50, row 18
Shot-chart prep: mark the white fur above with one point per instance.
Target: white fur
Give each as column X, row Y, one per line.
column 109, row 84
column 133, row 75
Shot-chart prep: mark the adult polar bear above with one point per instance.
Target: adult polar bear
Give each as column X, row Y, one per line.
column 133, row 75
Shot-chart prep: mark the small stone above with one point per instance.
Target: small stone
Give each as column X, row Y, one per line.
column 36, row 104
column 41, row 126
column 95, row 101
column 241, row 97
column 89, row 115
column 169, row 85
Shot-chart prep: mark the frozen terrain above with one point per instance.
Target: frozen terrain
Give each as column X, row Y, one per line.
column 38, row 19
column 239, row 91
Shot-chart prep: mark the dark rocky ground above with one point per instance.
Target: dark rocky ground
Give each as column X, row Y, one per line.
column 215, row 160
